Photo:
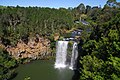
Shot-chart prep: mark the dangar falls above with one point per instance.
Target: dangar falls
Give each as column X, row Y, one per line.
column 62, row 60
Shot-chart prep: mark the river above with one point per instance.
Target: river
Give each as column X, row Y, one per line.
column 43, row 70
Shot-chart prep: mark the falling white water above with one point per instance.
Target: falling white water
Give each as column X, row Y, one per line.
column 74, row 56
column 61, row 54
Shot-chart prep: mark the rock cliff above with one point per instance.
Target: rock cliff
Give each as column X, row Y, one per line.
column 36, row 48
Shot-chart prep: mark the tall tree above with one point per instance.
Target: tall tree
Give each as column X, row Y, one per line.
column 111, row 3
column 88, row 8
column 81, row 8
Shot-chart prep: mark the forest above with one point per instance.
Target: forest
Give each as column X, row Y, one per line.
column 100, row 54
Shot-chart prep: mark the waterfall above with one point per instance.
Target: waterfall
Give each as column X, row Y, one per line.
column 73, row 64
column 61, row 54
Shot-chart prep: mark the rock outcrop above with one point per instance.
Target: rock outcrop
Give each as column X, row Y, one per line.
column 36, row 48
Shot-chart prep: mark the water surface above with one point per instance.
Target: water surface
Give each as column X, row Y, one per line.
column 43, row 70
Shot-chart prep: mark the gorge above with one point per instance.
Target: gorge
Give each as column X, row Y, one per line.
column 65, row 63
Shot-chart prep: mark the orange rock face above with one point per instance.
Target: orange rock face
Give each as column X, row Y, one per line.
column 56, row 36
column 33, row 49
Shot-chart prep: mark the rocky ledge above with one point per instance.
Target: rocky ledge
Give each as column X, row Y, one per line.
column 36, row 48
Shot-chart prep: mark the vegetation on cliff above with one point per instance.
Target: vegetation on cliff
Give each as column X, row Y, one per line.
column 7, row 66
column 22, row 22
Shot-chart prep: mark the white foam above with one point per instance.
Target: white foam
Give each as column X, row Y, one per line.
column 60, row 66
column 71, row 68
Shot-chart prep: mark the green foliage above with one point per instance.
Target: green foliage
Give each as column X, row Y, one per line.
column 70, row 47
column 67, row 35
column 27, row 78
column 100, row 58
column 7, row 65
column 81, row 8
column 92, row 68
column 18, row 21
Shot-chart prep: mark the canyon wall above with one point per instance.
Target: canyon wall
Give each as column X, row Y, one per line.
column 36, row 48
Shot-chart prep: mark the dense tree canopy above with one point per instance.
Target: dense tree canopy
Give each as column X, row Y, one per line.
column 100, row 58
column 18, row 21
column 7, row 65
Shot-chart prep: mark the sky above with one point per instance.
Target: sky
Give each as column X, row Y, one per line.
column 52, row 3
